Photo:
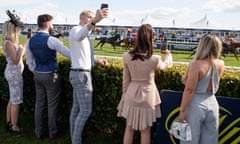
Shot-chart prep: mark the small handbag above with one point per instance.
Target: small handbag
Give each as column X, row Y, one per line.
column 181, row 131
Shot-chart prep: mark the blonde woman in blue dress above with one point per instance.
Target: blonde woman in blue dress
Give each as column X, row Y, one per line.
column 13, row 71
column 199, row 106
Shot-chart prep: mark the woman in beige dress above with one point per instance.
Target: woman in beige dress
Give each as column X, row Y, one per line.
column 140, row 101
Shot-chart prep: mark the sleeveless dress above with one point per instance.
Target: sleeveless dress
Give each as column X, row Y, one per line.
column 140, row 101
column 203, row 111
column 13, row 75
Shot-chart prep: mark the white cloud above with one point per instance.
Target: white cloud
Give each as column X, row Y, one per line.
column 157, row 16
column 222, row 6
column 18, row 2
column 29, row 14
column 170, row 13
column 165, row 14
column 29, row 9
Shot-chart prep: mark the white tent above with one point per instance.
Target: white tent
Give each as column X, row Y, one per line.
column 149, row 20
column 205, row 22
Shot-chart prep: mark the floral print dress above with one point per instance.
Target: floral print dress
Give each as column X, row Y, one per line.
column 13, row 75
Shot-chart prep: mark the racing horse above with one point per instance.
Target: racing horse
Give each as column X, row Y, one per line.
column 129, row 42
column 114, row 41
column 232, row 48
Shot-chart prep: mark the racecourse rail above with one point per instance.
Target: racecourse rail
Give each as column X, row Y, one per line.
column 114, row 57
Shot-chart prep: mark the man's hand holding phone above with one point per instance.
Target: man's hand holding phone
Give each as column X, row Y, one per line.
column 104, row 5
column 104, row 9
column 100, row 14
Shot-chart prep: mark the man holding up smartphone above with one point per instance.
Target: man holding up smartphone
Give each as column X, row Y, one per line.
column 104, row 5
column 82, row 61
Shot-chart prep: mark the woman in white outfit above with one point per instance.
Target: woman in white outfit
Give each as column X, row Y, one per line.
column 14, row 68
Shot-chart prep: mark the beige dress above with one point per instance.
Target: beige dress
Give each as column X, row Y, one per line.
column 140, row 101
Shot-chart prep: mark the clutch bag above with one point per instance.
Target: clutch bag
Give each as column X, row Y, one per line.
column 181, row 131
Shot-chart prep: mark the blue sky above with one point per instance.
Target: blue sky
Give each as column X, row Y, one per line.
column 131, row 12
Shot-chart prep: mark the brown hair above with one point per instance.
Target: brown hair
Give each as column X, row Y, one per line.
column 144, row 43
column 42, row 19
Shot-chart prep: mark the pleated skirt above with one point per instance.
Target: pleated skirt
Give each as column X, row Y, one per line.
column 138, row 117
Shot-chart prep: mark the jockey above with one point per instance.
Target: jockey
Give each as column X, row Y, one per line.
column 227, row 40
column 132, row 37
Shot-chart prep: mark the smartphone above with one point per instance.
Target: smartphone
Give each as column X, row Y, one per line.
column 104, row 5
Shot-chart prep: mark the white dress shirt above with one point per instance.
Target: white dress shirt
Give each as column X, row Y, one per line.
column 80, row 48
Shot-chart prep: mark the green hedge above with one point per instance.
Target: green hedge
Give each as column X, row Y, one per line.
column 107, row 83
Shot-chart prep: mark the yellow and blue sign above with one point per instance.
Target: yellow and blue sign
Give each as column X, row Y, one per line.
column 229, row 121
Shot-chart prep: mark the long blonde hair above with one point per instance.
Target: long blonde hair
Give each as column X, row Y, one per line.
column 210, row 46
column 11, row 32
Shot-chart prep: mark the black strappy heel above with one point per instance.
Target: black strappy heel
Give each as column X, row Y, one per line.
column 8, row 126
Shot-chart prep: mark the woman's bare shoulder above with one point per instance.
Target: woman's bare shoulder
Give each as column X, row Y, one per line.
column 8, row 44
column 219, row 65
column 195, row 65
column 219, row 62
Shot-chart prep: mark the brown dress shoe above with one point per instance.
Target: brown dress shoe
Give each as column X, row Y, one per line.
column 53, row 137
column 38, row 137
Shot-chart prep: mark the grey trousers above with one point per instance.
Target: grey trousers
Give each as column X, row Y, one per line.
column 48, row 89
column 203, row 116
column 82, row 103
